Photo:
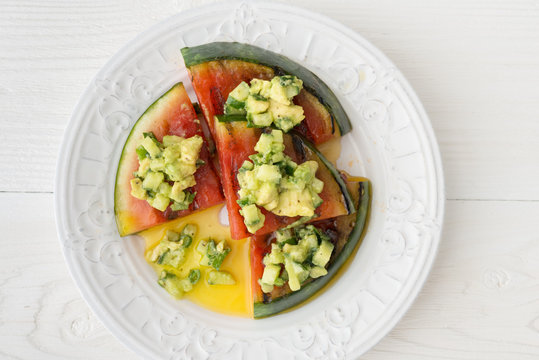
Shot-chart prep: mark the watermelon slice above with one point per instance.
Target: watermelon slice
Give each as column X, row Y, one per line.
column 235, row 142
column 345, row 233
column 217, row 68
column 171, row 114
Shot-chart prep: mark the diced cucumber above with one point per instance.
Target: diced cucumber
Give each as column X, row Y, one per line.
column 172, row 153
column 303, row 272
column 186, row 285
column 167, row 253
column 298, row 253
column 292, row 91
column 316, row 199
column 165, row 189
column 265, row 287
column 178, row 287
column 234, row 108
column 151, row 147
column 171, row 284
column 241, row 92
column 160, row 202
column 253, row 218
column 220, row 278
column 153, row 180
column 317, row 185
column 309, row 242
column 157, row 164
column 172, row 236
column 264, row 144
column 317, row 271
column 322, row 255
column 283, row 123
column 246, row 166
column 235, row 105
column 306, row 171
column 144, row 166
column 271, row 273
column 268, row 173
column 260, row 120
column 189, row 230
column 275, row 256
column 293, row 280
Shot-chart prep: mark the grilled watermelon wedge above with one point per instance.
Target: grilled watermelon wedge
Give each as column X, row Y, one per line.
column 235, row 142
column 171, row 114
column 217, row 68
column 345, row 233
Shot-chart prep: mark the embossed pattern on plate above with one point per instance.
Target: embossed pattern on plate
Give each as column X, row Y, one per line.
column 392, row 143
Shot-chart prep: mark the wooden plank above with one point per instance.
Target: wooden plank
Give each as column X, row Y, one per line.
column 480, row 301
column 473, row 64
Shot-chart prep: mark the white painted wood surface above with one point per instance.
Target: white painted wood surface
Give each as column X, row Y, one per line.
column 474, row 64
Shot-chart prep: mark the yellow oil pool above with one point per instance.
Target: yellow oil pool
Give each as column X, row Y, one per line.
column 227, row 299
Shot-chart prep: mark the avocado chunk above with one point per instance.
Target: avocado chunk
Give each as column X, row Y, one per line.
column 166, row 170
column 137, row 190
column 323, row 253
column 256, row 104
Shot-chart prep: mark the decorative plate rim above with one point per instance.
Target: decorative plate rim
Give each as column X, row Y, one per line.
column 433, row 151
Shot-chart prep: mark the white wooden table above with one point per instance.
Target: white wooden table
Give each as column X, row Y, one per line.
column 475, row 66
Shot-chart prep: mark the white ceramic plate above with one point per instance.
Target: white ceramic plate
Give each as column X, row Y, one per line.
column 392, row 143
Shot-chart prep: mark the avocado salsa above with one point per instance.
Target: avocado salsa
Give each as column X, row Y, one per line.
column 172, row 252
column 166, row 170
column 271, row 179
column 266, row 124
column 266, row 103
column 275, row 182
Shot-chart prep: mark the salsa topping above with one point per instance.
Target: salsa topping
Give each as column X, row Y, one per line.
column 296, row 255
column 166, row 170
column 273, row 181
column 264, row 103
